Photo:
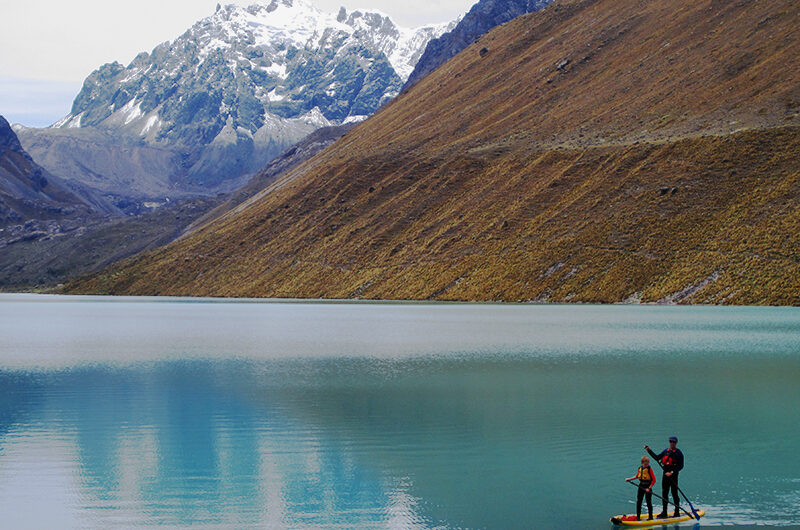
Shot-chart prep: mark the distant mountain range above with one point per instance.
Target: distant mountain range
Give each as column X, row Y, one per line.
column 482, row 17
column 593, row 151
column 240, row 86
column 195, row 118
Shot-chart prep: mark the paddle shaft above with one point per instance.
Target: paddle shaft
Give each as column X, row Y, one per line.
column 662, row 498
column 694, row 512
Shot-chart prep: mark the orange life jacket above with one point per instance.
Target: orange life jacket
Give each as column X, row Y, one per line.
column 645, row 474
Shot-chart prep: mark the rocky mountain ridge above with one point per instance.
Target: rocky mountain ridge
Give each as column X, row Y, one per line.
column 482, row 17
column 245, row 83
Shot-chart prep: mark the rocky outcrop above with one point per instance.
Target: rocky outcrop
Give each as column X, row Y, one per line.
column 483, row 16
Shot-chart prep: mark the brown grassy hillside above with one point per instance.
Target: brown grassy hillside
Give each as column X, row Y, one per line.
column 599, row 150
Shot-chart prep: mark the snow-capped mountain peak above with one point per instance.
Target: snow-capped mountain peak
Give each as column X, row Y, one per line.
column 244, row 67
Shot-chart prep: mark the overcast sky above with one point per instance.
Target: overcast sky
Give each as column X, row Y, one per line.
column 48, row 47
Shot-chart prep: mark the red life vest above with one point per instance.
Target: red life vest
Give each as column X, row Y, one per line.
column 668, row 459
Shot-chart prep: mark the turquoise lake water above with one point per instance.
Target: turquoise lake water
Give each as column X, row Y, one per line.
column 126, row 413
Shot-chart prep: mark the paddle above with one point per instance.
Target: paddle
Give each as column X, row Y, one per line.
column 694, row 512
column 663, row 499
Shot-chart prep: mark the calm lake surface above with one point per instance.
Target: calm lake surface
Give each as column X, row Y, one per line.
column 142, row 412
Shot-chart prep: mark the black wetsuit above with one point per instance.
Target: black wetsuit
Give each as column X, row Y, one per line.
column 671, row 460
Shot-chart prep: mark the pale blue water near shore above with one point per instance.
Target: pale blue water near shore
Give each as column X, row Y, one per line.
column 131, row 413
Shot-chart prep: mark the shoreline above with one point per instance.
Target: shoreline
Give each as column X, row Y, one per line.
column 59, row 297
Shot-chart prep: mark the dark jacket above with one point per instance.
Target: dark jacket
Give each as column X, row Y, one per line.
column 670, row 460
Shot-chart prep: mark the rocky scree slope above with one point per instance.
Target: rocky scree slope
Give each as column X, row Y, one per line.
column 39, row 259
column 32, row 201
column 239, row 87
column 123, row 174
column 482, row 17
column 595, row 151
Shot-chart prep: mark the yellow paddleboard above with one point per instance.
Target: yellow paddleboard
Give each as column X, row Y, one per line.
column 630, row 520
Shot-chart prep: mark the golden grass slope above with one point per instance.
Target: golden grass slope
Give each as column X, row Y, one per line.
column 597, row 151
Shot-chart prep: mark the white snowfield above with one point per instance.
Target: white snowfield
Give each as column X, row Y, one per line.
column 301, row 24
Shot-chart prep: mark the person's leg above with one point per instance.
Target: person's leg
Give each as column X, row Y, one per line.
column 675, row 498
column 649, row 497
column 664, row 496
column 639, row 495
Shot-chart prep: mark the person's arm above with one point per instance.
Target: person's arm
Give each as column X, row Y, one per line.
column 656, row 456
column 633, row 478
column 678, row 460
column 652, row 479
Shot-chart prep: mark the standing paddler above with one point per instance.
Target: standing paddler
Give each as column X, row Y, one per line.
column 671, row 460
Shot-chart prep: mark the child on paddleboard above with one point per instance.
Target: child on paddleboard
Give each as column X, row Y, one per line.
column 647, row 479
